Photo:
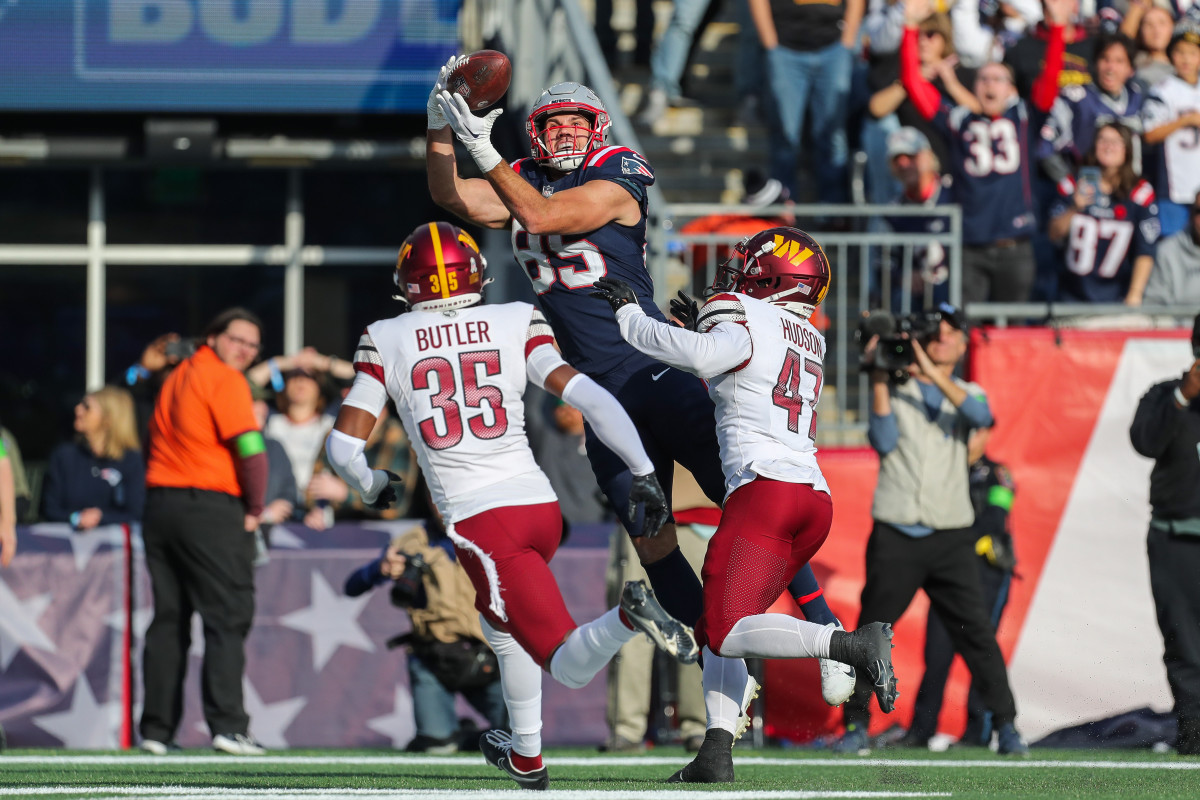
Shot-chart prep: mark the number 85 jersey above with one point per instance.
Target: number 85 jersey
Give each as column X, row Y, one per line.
column 458, row 381
column 563, row 268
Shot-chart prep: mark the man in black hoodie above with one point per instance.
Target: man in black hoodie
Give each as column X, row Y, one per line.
column 1166, row 427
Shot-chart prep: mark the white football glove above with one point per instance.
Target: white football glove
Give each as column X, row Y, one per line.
column 474, row 132
column 437, row 120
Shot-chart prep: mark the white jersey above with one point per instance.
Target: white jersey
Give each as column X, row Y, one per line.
column 765, row 385
column 458, row 381
column 1181, row 150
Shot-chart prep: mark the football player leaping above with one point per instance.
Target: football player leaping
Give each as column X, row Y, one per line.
column 762, row 358
column 457, row 371
column 577, row 207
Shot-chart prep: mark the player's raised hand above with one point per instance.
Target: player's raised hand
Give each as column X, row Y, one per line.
column 686, row 310
column 433, row 112
column 474, row 132
column 383, row 490
column 646, row 489
column 616, row 293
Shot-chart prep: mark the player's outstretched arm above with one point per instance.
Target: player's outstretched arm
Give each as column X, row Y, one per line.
column 347, row 443
column 470, row 199
column 719, row 349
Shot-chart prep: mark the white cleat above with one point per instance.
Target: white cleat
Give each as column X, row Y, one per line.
column 837, row 679
column 744, row 718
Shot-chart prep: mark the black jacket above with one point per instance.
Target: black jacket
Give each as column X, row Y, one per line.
column 1170, row 435
column 76, row 479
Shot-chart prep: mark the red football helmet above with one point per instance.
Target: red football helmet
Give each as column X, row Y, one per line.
column 440, row 268
column 783, row 266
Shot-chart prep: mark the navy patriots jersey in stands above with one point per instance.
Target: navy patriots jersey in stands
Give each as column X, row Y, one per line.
column 991, row 167
column 1076, row 113
column 931, row 266
column 1105, row 239
column 563, row 268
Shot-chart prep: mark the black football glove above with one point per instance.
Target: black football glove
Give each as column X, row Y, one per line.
column 616, row 292
column 387, row 496
column 646, row 489
column 686, row 310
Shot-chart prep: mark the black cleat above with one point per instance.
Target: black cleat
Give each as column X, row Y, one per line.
column 870, row 649
column 643, row 611
column 714, row 762
column 496, row 746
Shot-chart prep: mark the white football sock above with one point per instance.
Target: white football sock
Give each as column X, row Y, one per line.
column 724, row 687
column 777, row 636
column 521, row 684
column 588, row 649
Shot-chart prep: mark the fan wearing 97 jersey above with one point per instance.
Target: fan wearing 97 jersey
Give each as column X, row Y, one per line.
column 763, row 361
column 456, row 371
column 1109, row 229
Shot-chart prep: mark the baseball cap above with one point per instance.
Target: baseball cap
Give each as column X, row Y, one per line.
column 907, row 141
column 1185, row 31
column 953, row 315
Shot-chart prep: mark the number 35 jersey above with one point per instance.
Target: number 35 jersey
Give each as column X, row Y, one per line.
column 564, row 267
column 458, row 381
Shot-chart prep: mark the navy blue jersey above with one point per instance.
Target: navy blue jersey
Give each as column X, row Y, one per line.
column 563, row 268
column 1105, row 239
column 1077, row 111
column 931, row 265
column 990, row 161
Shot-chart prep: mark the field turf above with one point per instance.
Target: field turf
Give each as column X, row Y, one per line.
column 586, row 775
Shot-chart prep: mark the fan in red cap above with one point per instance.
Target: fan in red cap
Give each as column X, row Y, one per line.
column 783, row 266
column 440, row 268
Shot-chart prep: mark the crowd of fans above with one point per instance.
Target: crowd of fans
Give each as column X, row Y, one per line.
column 1010, row 100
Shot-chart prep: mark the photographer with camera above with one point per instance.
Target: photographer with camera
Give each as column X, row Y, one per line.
column 923, row 536
column 447, row 654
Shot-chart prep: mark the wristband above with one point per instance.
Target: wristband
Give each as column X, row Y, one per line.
column 136, row 373
column 277, row 381
column 74, row 519
column 1180, row 399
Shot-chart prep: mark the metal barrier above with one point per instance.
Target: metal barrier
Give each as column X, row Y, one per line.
column 862, row 269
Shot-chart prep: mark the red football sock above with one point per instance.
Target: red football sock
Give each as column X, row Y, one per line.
column 526, row 763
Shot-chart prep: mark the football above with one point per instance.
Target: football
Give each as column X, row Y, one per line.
column 481, row 78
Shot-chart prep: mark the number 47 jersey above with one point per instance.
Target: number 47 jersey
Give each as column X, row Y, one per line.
column 458, row 381
column 767, row 406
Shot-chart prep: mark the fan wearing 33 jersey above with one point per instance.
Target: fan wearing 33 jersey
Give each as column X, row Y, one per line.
column 456, row 371
column 990, row 158
column 763, row 361
column 577, row 208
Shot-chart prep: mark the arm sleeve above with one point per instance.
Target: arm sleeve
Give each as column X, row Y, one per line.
column 1045, row 88
column 347, row 456
column 252, row 477
column 1156, row 421
column 723, row 348
column 923, row 94
column 363, row 579
column 53, row 502
column 609, row 421
column 882, row 432
column 367, row 393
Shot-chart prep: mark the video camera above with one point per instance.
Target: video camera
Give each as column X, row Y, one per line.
column 894, row 353
column 408, row 589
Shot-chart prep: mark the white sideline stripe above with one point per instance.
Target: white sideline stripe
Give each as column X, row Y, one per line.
column 576, row 761
column 415, row 794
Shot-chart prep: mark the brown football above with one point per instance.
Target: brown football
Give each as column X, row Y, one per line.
column 481, row 78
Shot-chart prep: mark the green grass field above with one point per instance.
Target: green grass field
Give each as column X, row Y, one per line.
column 582, row 774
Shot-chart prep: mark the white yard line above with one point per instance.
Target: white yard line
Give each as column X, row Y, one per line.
column 146, row 792
column 575, row 761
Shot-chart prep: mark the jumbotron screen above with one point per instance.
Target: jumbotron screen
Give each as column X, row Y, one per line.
column 322, row 56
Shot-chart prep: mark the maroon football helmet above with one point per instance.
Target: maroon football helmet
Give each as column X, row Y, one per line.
column 783, row 266
column 440, row 268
